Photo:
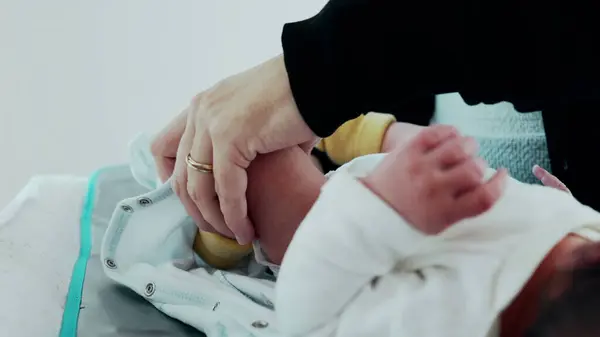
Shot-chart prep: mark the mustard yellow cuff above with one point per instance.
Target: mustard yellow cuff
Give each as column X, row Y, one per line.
column 370, row 136
column 218, row 251
column 358, row 137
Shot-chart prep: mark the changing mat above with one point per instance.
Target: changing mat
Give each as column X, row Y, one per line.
column 39, row 243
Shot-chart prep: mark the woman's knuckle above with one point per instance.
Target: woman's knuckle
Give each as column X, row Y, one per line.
column 199, row 100
column 198, row 97
column 194, row 194
column 218, row 128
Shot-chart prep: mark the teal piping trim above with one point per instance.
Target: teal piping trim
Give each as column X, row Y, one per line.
column 70, row 317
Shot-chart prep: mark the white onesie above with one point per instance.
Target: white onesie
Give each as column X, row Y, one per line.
column 377, row 276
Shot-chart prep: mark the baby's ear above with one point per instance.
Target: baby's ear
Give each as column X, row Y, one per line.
column 586, row 255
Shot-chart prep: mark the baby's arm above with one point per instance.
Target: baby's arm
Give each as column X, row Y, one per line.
column 357, row 233
column 348, row 238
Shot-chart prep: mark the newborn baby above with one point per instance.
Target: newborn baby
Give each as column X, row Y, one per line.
column 366, row 134
column 388, row 245
column 283, row 187
column 385, row 251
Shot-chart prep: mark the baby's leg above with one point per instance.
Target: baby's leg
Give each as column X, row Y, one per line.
column 282, row 187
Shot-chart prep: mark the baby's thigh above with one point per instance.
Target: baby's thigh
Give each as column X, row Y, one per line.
column 282, row 187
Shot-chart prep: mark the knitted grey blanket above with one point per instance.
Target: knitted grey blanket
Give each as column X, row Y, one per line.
column 507, row 138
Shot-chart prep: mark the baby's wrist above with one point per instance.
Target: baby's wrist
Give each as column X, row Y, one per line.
column 374, row 184
column 377, row 187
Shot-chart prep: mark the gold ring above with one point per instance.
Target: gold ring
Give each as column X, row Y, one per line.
column 196, row 166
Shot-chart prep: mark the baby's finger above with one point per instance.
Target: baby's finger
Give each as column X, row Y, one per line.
column 481, row 198
column 464, row 177
column 432, row 136
column 454, row 152
column 549, row 179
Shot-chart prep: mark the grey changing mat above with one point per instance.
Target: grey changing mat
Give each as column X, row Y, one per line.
column 96, row 306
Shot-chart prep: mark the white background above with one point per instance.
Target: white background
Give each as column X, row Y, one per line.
column 79, row 78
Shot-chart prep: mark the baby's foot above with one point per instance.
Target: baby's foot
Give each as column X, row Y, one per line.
column 436, row 180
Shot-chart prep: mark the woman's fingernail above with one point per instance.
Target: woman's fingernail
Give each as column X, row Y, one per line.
column 242, row 241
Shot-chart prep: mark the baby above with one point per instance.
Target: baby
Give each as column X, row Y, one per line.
column 366, row 134
column 284, row 186
column 393, row 246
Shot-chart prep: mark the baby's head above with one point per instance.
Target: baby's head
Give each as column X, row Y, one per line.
column 571, row 305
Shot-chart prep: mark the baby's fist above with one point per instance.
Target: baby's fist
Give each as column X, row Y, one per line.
column 436, row 180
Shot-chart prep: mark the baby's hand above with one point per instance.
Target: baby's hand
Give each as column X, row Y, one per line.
column 436, row 180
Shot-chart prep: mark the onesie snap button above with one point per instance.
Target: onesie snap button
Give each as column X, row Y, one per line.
column 127, row 208
column 110, row 264
column 150, row 289
column 144, row 202
column 260, row 324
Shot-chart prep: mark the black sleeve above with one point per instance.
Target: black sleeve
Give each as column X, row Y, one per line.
column 357, row 56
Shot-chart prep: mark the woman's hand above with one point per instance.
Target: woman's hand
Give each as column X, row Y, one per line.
column 227, row 126
column 164, row 146
column 548, row 179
